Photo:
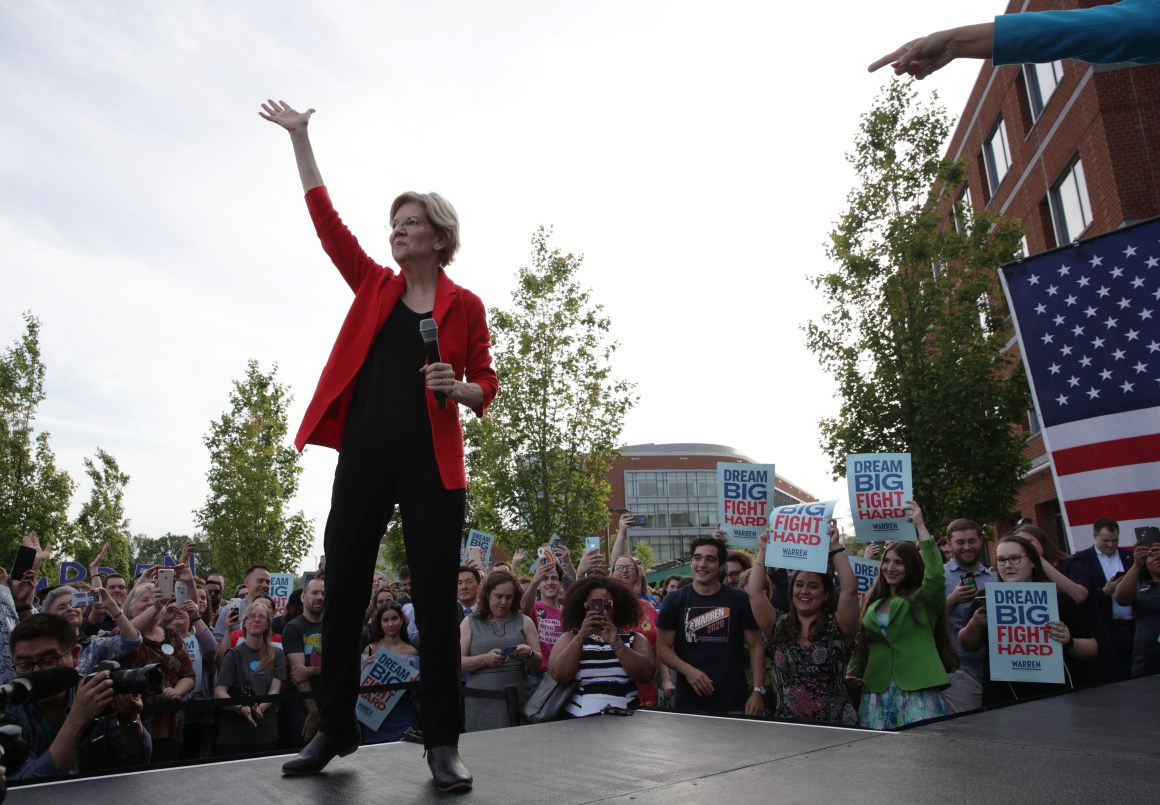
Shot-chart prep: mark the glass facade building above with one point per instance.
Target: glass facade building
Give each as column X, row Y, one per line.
column 679, row 504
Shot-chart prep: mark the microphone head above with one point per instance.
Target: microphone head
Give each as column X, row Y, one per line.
column 429, row 330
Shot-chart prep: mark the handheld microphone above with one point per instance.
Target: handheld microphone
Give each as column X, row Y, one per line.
column 429, row 331
column 38, row 685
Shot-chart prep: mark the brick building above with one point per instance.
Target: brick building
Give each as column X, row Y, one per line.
column 1071, row 150
column 675, row 487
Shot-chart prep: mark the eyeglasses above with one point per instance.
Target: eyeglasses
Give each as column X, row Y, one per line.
column 588, row 605
column 1010, row 560
column 623, row 568
column 44, row 662
column 406, row 223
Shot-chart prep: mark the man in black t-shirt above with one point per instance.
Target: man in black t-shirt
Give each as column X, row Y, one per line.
column 302, row 642
column 701, row 630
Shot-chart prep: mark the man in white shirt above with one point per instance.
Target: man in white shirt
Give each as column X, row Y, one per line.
column 966, row 576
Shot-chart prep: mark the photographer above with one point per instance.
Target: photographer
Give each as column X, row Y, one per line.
column 80, row 730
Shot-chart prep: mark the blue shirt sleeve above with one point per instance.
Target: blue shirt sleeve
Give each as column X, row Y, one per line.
column 1128, row 31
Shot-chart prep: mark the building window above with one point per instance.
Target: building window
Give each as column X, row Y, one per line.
column 1071, row 212
column 962, row 210
column 997, row 155
column 1041, row 79
column 1033, row 426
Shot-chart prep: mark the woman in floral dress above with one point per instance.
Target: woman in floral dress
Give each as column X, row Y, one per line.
column 812, row 642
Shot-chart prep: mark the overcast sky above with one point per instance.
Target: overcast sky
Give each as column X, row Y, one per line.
column 691, row 151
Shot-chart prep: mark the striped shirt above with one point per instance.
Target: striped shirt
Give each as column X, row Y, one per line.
column 603, row 681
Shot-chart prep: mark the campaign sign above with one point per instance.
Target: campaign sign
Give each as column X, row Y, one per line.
column 478, row 539
column 281, row 585
column 385, row 668
column 880, row 484
column 798, row 538
column 1018, row 647
column 744, row 495
column 194, row 649
column 866, row 572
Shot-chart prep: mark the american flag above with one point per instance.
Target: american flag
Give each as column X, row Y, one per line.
column 1087, row 317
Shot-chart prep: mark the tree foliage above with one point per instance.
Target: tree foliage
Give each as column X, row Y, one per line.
column 34, row 494
column 643, row 553
column 102, row 518
column 917, row 328
column 537, row 461
column 253, row 476
column 147, row 550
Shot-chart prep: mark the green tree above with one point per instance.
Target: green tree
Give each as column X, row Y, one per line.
column 147, row 550
column 917, row 326
column 644, row 554
column 253, row 476
column 396, row 550
column 537, row 461
column 102, row 517
column 34, row 494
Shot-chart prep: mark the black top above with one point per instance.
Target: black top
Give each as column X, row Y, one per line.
column 389, row 406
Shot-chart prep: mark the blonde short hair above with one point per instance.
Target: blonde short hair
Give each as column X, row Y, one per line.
column 444, row 220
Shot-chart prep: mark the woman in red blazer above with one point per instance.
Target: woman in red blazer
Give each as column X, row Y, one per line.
column 384, row 408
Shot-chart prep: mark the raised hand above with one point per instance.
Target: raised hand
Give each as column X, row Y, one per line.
column 95, row 565
column 285, row 115
column 921, row 57
column 32, row 540
column 834, row 535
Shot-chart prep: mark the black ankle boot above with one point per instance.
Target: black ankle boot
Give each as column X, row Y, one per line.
column 447, row 769
column 321, row 750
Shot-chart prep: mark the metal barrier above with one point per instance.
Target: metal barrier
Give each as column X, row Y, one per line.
column 510, row 695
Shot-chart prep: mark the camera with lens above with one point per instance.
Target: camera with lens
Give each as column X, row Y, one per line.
column 14, row 746
column 146, row 680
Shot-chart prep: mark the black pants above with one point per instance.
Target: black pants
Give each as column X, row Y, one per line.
column 367, row 484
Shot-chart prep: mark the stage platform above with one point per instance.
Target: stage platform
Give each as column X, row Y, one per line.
column 1097, row 745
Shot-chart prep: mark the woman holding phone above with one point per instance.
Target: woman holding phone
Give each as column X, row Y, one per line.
column 413, row 348
column 1140, row 590
column 497, row 642
column 600, row 647
column 161, row 645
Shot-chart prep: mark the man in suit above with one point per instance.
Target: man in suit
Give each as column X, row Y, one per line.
column 1105, row 562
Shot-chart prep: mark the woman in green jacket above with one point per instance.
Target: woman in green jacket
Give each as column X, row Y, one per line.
column 904, row 647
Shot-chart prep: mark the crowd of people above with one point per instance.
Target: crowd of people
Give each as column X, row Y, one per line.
column 734, row 637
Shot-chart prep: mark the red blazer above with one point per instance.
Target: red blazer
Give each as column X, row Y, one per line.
column 464, row 342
